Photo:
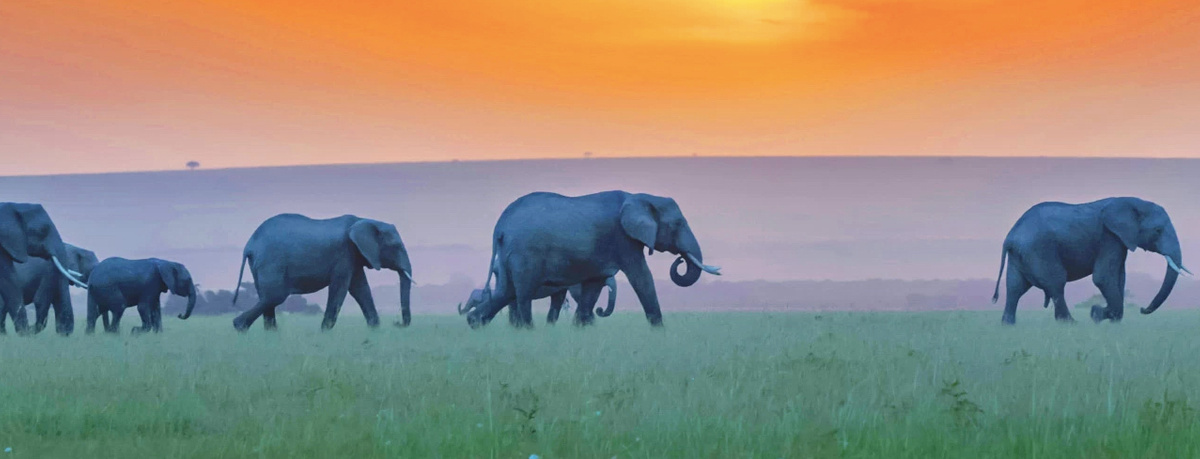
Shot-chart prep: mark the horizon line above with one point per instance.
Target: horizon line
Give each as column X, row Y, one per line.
column 591, row 158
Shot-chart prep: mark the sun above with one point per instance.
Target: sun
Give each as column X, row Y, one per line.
column 760, row 21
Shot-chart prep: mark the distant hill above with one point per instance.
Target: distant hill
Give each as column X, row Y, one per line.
column 761, row 219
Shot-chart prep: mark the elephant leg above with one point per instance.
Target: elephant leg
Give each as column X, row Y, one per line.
column 1109, row 277
column 1016, row 286
column 64, row 311
column 1113, row 290
column 93, row 313
column 1061, row 313
column 514, row 314
column 156, row 316
column 586, row 303
column 114, row 324
column 269, row 323
column 556, row 304
column 14, row 302
column 337, row 296
column 642, row 281
column 146, row 313
column 524, row 308
column 268, row 299
column 360, row 290
column 41, row 315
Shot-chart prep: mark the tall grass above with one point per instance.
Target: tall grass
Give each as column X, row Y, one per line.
column 708, row 385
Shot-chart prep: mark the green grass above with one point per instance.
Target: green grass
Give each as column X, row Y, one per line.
column 951, row 384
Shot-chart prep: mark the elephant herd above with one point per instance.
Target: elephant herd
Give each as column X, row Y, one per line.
column 543, row 245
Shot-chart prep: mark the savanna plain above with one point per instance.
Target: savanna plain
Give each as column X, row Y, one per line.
column 939, row 384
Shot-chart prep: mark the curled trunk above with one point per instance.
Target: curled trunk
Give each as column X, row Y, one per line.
column 191, row 303
column 687, row 278
column 612, row 297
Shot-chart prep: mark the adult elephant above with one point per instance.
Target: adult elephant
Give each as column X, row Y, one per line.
column 547, row 240
column 43, row 286
column 26, row 231
column 557, row 298
column 1054, row 243
column 293, row 254
column 118, row 283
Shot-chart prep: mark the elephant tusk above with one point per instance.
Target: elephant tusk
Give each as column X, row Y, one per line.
column 408, row 275
column 1176, row 267
column 67, row 273
column 75, row 273
column 714, row 270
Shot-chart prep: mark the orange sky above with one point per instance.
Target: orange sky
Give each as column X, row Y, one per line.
column 108, row 85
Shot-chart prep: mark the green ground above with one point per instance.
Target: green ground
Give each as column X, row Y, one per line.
column 709, row 385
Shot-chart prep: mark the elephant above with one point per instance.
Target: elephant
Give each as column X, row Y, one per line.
column 26, row 230
column 1054, row 243
column 293, row 254
column 118, row 283
column 557, row 298
column 44, row 287
column 549, row 241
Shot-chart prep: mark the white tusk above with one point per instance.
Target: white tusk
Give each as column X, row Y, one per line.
column 75, row 273
column 714, row 270
column 67, row 273
column 1176, row 267
column 409, row 276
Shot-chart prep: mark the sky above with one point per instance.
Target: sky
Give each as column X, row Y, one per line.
column 128, row 85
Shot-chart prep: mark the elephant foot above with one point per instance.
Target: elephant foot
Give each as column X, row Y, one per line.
column 327, row 325
column 1098, row 314
column 240, row 325
column 1067, row 319
column 1008, row 319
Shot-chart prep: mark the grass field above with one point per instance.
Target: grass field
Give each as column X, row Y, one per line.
column 708, row 385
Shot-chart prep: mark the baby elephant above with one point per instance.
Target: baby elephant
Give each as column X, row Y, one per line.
column 557, row 298
column 117, row 283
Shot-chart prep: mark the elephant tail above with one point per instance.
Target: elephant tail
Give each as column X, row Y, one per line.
column 1003, row 259
column 493, row 264
column 238, row 289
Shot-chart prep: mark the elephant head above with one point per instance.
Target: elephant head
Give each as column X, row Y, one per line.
column 177, row 280
column 658, row 224
column 1138, row 223
column 26, row 230
column 478, row 297
column 81, row 261
column 381, row 248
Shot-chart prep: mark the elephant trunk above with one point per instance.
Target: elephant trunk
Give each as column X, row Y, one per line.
column 405, row 298
column 1174, row 266
column 191, row 303
column 612, row 297
column 462, row 310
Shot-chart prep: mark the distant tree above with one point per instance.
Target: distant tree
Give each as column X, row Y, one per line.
column 192, row 165
column 587, row 154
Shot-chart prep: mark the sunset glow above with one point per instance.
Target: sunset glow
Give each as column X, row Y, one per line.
column 152, row 85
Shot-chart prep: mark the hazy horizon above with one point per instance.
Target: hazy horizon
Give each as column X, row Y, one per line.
column 773, row 219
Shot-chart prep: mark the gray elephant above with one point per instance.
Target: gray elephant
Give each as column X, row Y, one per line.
column 1054, row 243
column 293, row 254
column 117, row 284
column 557, row 299
column 45, row 287
column 550, row 241
column 26, row 231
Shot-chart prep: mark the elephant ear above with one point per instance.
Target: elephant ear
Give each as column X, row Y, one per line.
column 12, row 233
column 365, row 236
column 1121, row 219
column 169, row 272
column 639, row 220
